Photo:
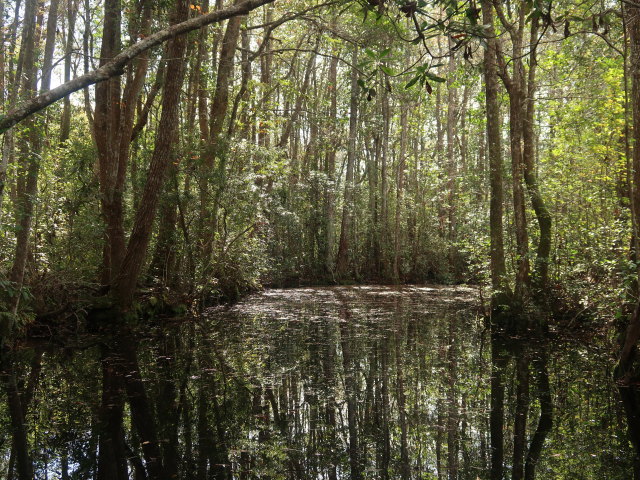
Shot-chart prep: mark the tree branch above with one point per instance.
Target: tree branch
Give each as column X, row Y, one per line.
column 116, row 66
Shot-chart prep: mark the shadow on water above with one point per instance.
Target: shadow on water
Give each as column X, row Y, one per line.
column 315, row 383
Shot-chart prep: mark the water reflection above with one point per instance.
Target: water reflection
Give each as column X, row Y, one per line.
column 316, row 383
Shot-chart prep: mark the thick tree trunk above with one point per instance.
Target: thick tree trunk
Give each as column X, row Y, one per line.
column 498, row 268
column 125, row 284
column 516, row 88
column 112, row 458
column 106, row 123
column 20, row 443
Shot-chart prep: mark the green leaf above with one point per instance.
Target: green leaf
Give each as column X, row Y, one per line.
column 435, row 78
column 412, row 82
column 387, row 70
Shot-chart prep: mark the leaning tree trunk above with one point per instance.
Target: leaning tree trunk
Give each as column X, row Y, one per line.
column 125, row 283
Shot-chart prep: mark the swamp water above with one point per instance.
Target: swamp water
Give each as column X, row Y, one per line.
column 320, row 383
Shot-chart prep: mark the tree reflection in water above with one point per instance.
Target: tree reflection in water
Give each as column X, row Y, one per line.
column 317, row 383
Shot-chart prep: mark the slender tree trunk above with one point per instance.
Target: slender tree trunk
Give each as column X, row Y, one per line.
column 350, row 387
column 545, row 422
column 452, row 107
column 496, row 417
column 397, row 235
column 383, row 232
column 65, row 122
column 216, row 145
column 543, row 216
column 265, row 79
column 405, row 463
column 452, row 402
column 31, row 147
column 342, row 261
column 330, row 162
column 521, row 413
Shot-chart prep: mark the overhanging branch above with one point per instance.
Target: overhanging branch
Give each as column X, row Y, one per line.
column 116, row 66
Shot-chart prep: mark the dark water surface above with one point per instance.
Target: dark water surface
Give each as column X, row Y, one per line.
column 320, row 383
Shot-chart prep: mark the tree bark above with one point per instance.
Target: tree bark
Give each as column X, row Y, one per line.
column 330, row 162
column 342, row 261
column 498, row 268
column 216, row 145
column 65, row 122
column 124, row 285
column 543, row 215
column 397, row 235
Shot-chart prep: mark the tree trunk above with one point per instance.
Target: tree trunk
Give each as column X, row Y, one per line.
column 31, row 147
column 330, row 162
column 342, row 261
column 351, row 389
column 628, row 354
column 397, row 234
column 125, row 283
column 520, row 420
column 106, row 121
column 216, row 145
column 112, row 456
column 65, row 122
column 543, row 216
column 496, row 416
column 498, row 268
column 545, row 422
